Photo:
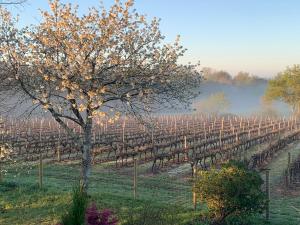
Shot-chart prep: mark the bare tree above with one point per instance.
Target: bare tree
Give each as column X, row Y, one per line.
column 101, row 65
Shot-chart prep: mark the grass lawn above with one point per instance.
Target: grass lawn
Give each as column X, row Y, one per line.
column 284, row 205
column 23, row 202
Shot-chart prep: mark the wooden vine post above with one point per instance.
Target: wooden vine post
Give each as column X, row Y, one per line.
column 267, row 192
column 288, row 170
column 204, row 131
column 41, row 159
column 194, row 193
column 152, row 137
column 220, row 137
column 175, row 128
column 0, row 165
column 58, row 147
column 41, row 171
column 222, row 123
column 123, row 133
column 58, row 153
column 194, row 138
column 135, row 178
column 185, row 148
column 2, row 142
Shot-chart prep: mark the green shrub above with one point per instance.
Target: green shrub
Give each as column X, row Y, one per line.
column 76, row 212
column 233, row 190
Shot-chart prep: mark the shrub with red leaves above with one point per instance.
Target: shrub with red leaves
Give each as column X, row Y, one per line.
column 94, row 217
column 107, row 218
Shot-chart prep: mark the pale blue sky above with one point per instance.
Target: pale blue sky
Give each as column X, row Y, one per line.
column 258, row 36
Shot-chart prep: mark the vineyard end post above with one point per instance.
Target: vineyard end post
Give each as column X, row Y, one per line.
column 135, row 179
column 194, row 193
column 267, row 193
column 58, row 154
column 288, row 170
column 40, row 171
column 0, row 165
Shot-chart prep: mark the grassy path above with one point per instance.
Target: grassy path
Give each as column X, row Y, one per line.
column 283, row 207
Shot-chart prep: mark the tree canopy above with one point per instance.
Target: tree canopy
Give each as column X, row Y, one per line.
column 286, row 87
column 223, row 77
column 93, row 67
column 215, row 103
column 243, row 78
column 217, row 76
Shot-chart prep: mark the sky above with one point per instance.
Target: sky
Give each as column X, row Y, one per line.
column 257, row 36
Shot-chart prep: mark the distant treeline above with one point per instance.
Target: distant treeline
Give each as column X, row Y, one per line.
column 221, row 76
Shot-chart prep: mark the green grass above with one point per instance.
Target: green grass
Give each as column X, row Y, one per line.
column 22, row 202
column 283, row 206
column 27, row 204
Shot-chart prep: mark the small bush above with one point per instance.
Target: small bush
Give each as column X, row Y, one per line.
column 232, row 191
column 94, row 217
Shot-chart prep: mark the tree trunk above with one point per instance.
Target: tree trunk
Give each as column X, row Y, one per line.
column 86, row 155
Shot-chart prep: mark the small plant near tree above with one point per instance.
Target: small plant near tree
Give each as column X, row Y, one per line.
column 95, row 217
column 231, row 191
column 79, row 214
column 76, row 212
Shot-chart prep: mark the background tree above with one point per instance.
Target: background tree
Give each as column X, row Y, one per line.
column 243, row 78
column 231, row 191
column 216, row 76
column 286, row 87
column 96, row 66
column 267, row 109
column 215, row 104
